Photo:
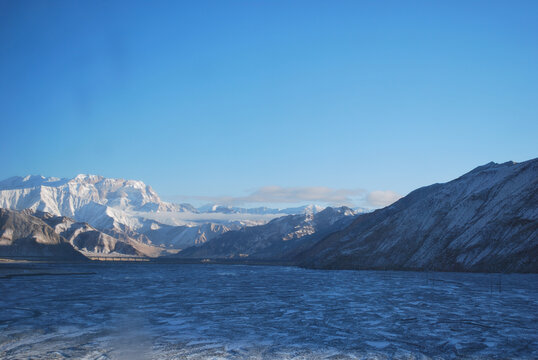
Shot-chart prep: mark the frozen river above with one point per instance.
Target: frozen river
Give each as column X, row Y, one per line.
column 173, row 311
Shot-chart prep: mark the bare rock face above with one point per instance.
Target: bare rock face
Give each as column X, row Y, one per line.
column 485, row 221
column 276, row 240
column 93, row 242
column 27, row 237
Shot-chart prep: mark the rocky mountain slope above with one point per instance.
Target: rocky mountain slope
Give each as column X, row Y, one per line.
column 92, row 242
column 486, row 220
column 279, row 239
column 26, row 236
column 129, row 209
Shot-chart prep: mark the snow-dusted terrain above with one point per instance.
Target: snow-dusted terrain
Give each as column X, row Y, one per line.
column 280, row 239
column 67, row 197
column 486, row 220
column 130, row 210
column 105, row 202
column 152, row 311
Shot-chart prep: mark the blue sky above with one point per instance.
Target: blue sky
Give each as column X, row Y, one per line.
column 232, row 99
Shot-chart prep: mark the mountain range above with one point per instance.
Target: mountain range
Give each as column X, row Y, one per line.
column 131, row 212
column 485, row 220
column 276, row 240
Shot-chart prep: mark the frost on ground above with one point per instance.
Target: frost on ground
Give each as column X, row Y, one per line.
column 155, row 311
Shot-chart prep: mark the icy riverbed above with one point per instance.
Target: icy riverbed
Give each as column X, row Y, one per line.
column 172, row 311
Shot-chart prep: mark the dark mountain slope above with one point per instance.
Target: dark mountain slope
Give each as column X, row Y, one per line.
column 26, row 236
column 86, row 238
column 486, row 220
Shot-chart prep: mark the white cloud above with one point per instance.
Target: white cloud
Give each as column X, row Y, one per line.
column 279, row 194
column 286, row 195
column 301, row 195
column 380, row 198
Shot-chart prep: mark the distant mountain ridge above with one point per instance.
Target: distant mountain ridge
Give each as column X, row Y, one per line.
column 118, row 193
column 276, row 240
column 262, row 210
column 131, row 210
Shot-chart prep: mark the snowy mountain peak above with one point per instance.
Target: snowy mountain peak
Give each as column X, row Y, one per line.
column 83, row 197
column 29, row 181
column 31, row 177
column 342, row 210
column 88, row 178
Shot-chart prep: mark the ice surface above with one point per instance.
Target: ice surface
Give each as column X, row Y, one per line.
column 156, row 311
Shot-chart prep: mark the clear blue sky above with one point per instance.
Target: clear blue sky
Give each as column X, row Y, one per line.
column 214, row 98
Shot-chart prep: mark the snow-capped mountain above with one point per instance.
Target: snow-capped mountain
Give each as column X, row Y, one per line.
column 123, row 209
column 129, row 209
column 276, row 240
column 262, row 210
column 68, row 196
column 306, row 209
column 485, row 220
